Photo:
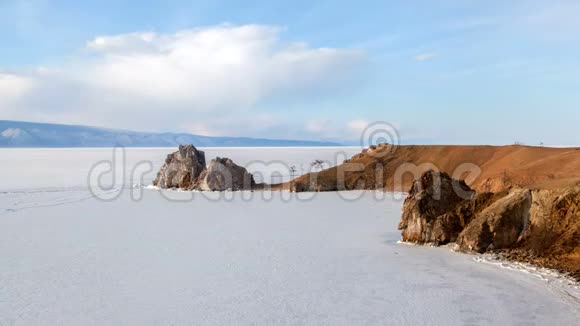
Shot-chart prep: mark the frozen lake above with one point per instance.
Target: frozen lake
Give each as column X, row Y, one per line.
column 166, row 257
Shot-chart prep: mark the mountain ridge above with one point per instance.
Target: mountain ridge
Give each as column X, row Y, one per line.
column 24, row 134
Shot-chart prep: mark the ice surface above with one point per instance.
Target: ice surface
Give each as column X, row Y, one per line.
column 239, row 258
column 557, row 282
column 56, row 169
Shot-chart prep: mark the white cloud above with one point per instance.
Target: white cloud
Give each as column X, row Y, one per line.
column 123, row 43
column 357, row 126
column 555, row 20
column 336, row 130
column 261, row 124
column 318, row 126
column 425, row 56
column 164, row 81
column 13, row 86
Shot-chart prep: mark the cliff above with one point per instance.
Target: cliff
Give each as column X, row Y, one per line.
column 535, row 226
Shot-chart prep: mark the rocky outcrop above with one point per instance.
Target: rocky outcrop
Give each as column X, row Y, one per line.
column 436, row 209
column 555, row 221
column 223, row 174
column 181, row 169
column 441, row 210
column 500, row 225
column 552, row 238
column 186, row 169
column 536, row 226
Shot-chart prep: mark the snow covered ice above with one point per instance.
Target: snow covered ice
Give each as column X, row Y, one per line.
column 71, row 259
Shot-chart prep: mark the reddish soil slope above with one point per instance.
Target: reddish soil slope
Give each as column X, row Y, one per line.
column 489, row 168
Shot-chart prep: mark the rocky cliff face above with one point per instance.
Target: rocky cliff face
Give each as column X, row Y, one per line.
column 537, row 226
column 181, row 168
column 500, row 225
column 553, row 236
column 430, row 210
column 186, row 169
column 223, row 174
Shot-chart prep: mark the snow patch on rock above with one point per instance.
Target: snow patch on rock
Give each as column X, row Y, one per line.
column 11, row 132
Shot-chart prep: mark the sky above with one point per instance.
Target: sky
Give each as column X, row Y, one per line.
column 438, row 72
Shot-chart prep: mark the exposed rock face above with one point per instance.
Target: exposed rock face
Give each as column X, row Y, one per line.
column 181, row 168
column 500, row 225
column 536, row 226
column 223, row 174
column 436, row 209
column 186, row 169
column 441, row 210
column 555, row 220
column 553, row 236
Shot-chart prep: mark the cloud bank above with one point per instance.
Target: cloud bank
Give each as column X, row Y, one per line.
column 425, row 56
column 171, row 81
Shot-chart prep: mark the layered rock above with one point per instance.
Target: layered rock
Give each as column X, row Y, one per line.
column 441, row 210
column 223, row 174
column 552, row 238
column 500, row 225
column 181, row 168
column 436, row 209
column 536, row 226
column 555, row 220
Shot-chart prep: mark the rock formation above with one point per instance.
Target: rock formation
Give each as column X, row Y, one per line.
column 537, row 226
column 223, row 174
column 500, row 225
column 181, row 168
column 441, row 210
column 429, row 211
column 552, row 238
column 186, row 169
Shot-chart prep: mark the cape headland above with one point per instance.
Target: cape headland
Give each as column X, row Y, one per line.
column 485, row 168
column 522, row 224
column 520, row 202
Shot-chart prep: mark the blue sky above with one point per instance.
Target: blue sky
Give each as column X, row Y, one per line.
column 450, row 71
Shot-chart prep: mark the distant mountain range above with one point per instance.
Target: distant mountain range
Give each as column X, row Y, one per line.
column 46, row 135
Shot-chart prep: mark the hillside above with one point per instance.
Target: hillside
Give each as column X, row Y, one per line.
column 501, row 168
column 46, row 135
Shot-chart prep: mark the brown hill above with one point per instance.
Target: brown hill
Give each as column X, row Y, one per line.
column 485, row 168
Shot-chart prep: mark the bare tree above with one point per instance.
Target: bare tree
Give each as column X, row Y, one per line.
column 293, row 171
column 317, row 164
